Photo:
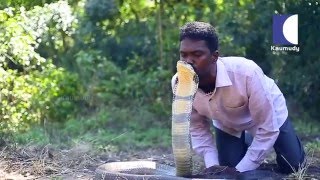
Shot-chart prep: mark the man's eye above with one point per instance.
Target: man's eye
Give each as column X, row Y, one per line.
column 198, row 54
column 183, row 55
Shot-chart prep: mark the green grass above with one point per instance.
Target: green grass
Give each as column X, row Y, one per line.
column 36, row 135
column 307, row 127
column 315, row 145
column 124, row 128
column 111, row 129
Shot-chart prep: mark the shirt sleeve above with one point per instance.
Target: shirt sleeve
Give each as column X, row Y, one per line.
column 202, row 139
column 263, row 114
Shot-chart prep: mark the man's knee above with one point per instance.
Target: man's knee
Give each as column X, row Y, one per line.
column 289, row 149
column 231, row 149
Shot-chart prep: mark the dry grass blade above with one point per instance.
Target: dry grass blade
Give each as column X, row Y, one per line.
column 301, row 172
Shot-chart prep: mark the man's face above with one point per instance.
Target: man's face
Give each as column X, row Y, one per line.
column 197, row 54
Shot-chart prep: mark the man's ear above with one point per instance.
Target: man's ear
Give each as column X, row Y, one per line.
column 215, row 55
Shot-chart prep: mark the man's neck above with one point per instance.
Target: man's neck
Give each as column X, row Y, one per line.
column 207, row 89
column 208, row 82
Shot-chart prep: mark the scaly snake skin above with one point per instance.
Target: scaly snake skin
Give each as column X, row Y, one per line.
column 183, row 96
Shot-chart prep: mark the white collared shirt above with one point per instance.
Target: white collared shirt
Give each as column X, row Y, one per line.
column 244, row 100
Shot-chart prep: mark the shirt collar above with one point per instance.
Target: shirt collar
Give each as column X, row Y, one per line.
column 222, row 78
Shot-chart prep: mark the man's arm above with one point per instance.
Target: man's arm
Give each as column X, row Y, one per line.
column 202, row 139
column 263, row 114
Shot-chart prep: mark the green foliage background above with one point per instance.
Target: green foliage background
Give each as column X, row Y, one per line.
column 100, row 71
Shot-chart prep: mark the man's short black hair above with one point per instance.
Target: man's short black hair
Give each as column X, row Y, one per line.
column 200, row 31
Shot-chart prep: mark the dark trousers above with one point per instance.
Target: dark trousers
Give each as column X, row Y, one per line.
column 288, row 147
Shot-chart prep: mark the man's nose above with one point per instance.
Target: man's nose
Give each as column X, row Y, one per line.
column 190, row 61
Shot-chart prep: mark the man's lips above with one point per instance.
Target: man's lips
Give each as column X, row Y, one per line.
column 193, row 67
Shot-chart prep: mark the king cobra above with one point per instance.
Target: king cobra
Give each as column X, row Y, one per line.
column 183, row 95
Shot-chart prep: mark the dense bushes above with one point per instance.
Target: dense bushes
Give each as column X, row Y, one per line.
column 36, row 97
column 106, row 66
column 33, row 89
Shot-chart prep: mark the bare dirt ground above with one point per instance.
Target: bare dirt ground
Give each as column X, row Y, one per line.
column 80, row 162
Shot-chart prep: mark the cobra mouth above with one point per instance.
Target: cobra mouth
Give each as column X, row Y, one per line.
column 191, row 67
column 185, row 66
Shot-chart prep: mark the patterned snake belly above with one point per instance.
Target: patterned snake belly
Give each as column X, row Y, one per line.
column 183, row 95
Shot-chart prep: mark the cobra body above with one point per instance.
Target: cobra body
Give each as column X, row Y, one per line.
column 136, row 170
column 183, row 96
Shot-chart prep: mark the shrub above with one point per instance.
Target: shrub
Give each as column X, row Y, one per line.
column 36, row 97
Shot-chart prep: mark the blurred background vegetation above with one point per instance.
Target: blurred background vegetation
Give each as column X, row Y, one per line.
column 99, row 71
